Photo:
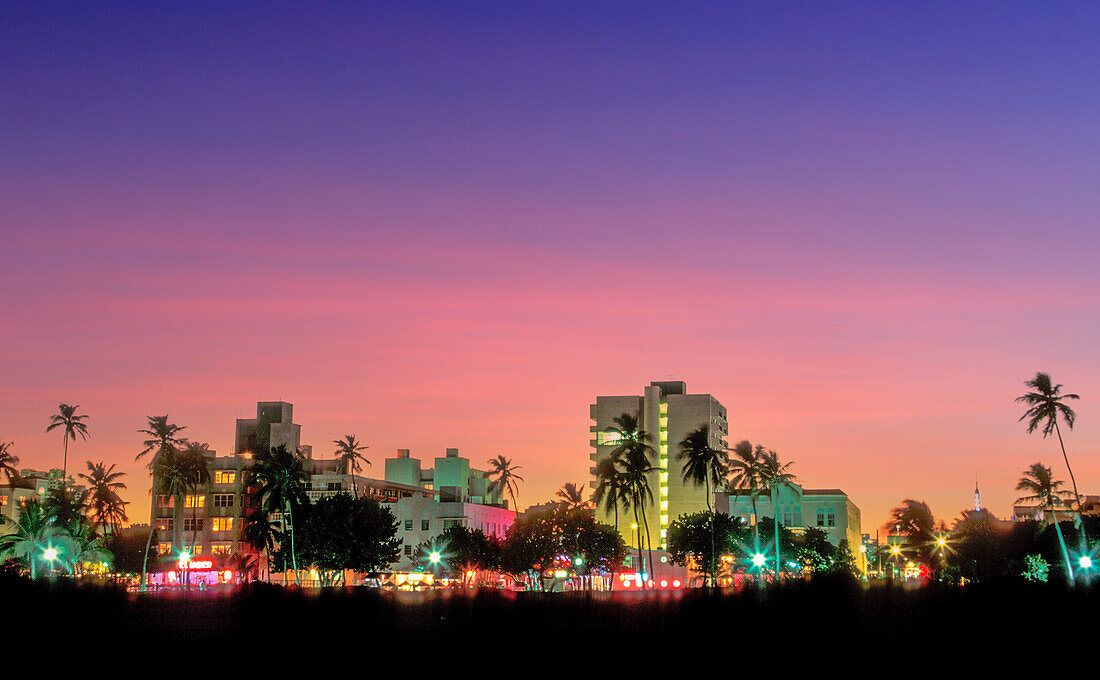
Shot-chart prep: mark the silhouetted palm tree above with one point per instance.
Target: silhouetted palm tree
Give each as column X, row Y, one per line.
column 282, row 482
column 503, row 476
column 745, row 474
column 609, row 487
column 71, row 425
column 773, row 477
column 1046, row 406
column 34, row 532
column 348, row 453
column 194, row 455
column 163, row 438
column 571, row 495
column 260, row 533
column 8, row 461
column 1038, row 480
column 914, row 520
column 105, row 504
column 636, row 470
column 704, row 465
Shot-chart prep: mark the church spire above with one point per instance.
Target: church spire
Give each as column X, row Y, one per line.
column 977, row 498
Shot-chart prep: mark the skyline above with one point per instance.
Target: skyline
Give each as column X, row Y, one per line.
column 861, row 228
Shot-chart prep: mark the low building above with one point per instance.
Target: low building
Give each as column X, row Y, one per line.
column 829, row 510
column 449, row 494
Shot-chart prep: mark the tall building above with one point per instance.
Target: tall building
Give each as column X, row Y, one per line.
column 668, row 413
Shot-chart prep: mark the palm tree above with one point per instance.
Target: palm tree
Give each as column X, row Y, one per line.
column 163, row 438
column 634, row 455
column 703, row 465
column 505, row 478
column 260, row 533
column 246, row 563
column 282, row 481
column 71, row 425
column 914, row 520
column 194, row 455
column 1046, row 405
column 773, row 477
column 610, row 488
column 8, row 461
column 1039, row 482
column 348, row 454
column 34, row 533
column 106, row 506
column 172, row 472
column 745, row 475
column 571, row 495
column 82, row 545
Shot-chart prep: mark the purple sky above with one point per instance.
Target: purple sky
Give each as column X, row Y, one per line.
column 860, row 226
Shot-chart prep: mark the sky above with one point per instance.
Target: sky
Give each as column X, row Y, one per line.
column 860, row 226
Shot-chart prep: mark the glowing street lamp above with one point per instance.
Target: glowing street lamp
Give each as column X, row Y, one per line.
column 434, row 557
column 758, row 560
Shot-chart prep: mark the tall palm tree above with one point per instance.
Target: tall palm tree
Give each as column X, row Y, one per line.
column 571, row 496
column 106, row 506
column 610, row 488
column 172, row 472
column 1038, row 480
column 71, row 425
column 194, row 455
column 282, row 482
column 8, row 461
column 745, row 475
column 914, row 520
column 348, row 453
column 704, row 465
column 636, row 471
column 162, row 437
column 773, row 477
column 1046, row 406
column 503, row 476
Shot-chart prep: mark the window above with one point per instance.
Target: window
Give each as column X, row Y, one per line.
column 222, row 523
column 195, row 550
column 221, row 548
column 225, row 476
column 192, row 523
column 164, row 501
column 821, row 517
column 831, row 518
column 787, row 517
column 335, row 486
column 165, row 524
column 164, row 548
column 195, row 501
column 3, row 501
column 223, row 500
column 425, row 524
column 408, row 525
column 408, row 550
column 607, row 438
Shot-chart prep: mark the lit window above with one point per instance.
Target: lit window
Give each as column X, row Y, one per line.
column 223, row 523
column 608, row 438
column 165, row 523
column 164, row 548
column 195, row 501
column 221, row 548
column 225, row 476
column 164, row 501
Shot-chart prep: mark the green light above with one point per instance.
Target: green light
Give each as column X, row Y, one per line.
column 434, row 557
column 185, row 556
column 1085, row 562
column 578, row 561
column 50, row 554
column 758, row 560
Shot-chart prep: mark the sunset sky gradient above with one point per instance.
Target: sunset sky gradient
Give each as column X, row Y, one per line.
column 860, row 226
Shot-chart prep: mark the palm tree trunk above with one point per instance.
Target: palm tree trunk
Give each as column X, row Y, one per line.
column 148, row 540
column 293, row 555
column 1062, row 543
column 1077, row 498
column 775, row 522
column 649, row 545
column 65, row 463
column 638, row 537
column 712, row 518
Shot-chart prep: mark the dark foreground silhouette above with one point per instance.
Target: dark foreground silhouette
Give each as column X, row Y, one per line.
column 823, row 627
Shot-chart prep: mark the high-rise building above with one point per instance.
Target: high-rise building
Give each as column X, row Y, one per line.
column 668, row 413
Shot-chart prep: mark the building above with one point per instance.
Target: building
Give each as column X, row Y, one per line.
column 799, row 509
column 667, row 412
column 426, row 501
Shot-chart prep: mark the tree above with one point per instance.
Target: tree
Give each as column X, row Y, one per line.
column 261, row 533
column 106, row 506
column 172, row 476
column 282, row 482
column 844, row 562
column 814, row 550
column 8, row 461
column 1039, row 483
column 745, row 476
column 914, row 520
column 504, row 477
column 1046, row 406
column 553, row 539
column 464, row 551
column 773, row 477
column 71, row 425
column 702, row 538
column 34, row 532
column 246, row 564
column 349, row 455
column 196, row 461
column 633, row 458
column 163, row 438
column 571, row 496
column 610, row 487
column 342, row 532
column 704, row 465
